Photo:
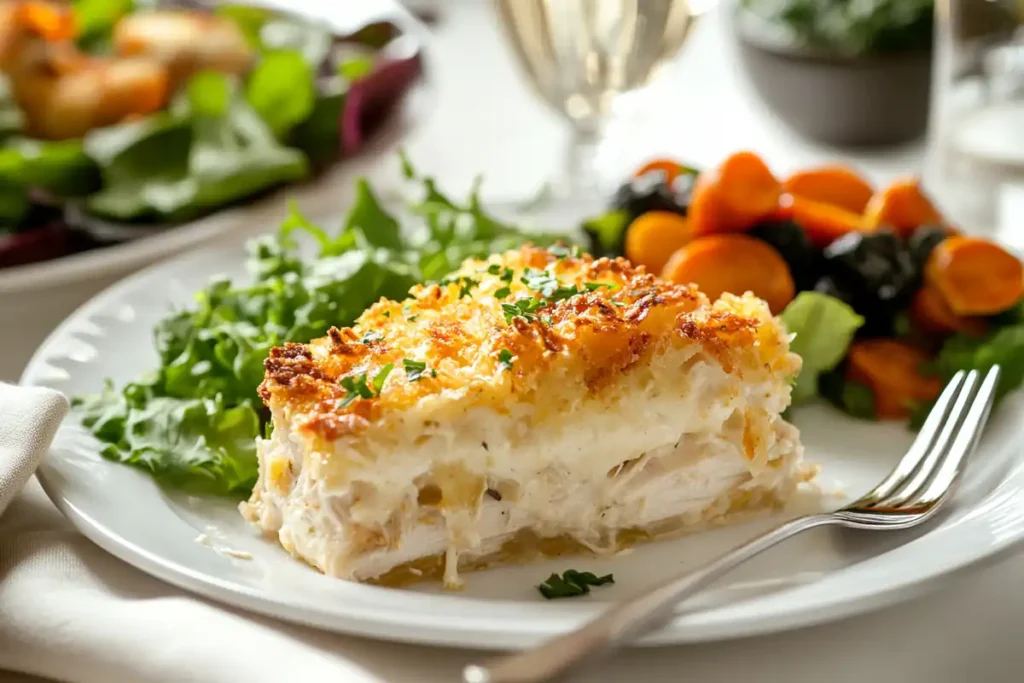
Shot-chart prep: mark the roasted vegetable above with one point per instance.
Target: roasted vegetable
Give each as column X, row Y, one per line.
column 903, row 207
column 828, row 285
column 930, row 312
column 835, row 185
column 735, row 196
column 653, row 237
column 735, row 264
column 893, row 372
column 671, row 169
column 975, row 276
column 923, row 240
column 649, row 192
column 823, row 223
column 875, row 274
column 790, row 240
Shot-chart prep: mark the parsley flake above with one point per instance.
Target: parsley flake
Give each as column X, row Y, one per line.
column 505, row 359
column 412, row 318
column 524, row 308
column 571, row 584
column 594, row 286
column 381, row 377
column 370, row 337
column 502, row 293
column 494, row 269
column 560, row 251
column 415, row 369
column 356, row 386
column 465, row 283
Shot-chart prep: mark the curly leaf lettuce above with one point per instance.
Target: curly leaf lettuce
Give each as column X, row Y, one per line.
column 823, row 329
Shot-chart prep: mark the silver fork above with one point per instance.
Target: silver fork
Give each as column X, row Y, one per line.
column 922, row 482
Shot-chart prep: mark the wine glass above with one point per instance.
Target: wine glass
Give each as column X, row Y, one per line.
column 580, row 55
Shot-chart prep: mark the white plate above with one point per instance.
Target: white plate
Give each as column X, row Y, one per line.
column 817, row 577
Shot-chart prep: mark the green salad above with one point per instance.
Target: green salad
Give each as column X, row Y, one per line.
column 222, row 136
column 193, row 421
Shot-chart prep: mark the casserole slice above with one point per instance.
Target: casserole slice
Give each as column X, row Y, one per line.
column 536, row 403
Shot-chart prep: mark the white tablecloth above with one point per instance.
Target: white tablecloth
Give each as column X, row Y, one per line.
column 969, row 631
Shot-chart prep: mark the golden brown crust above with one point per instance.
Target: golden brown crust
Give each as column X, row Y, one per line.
column 458, row 329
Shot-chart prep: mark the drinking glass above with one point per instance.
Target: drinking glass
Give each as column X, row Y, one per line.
column 975, row 164
column 580, row 55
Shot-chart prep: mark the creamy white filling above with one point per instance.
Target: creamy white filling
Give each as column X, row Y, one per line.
column 655, row 455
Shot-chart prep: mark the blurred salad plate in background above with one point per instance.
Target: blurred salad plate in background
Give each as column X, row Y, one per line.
column 121, row 119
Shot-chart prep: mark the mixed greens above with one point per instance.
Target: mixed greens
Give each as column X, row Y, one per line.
column 221, row 139
column 192, row 423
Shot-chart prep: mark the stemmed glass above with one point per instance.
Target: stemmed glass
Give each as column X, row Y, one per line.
column 580, row 55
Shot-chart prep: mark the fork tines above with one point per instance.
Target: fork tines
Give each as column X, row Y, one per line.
column 931, row 468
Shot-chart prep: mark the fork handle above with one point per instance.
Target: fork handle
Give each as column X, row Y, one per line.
column 628, row 619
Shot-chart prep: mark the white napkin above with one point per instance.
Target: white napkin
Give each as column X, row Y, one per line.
column 29, row 417
column 71, row 612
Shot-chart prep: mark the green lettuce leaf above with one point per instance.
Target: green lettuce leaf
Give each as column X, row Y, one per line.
column 824, row 328
column 282, row 90
column 1003, row 346
column 211, row 149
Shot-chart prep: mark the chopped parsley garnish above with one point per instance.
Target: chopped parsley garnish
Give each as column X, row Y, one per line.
column 540, row 280
column 415, row 369
column 505, row 358
column 465, row 283
column 370, row 337
column 387, row 314
column 523, row 308
column 571, row 584
column 545, row 282
column 378, row 381
column 412, row 318
column 357, row 386
column 506, row 274
column 502, row 293
column 561, row 251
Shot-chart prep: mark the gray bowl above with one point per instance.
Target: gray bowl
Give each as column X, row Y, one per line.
column 841, row 100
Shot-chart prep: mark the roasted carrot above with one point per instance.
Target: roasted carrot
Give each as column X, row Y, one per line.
column 892, row 370
column 903, row 206
column 930, row 312
column 736, row 264
column 835, row 185
column 671, row 168
column 823, row 223
column 653, row 237
column 975, row 276
column 735, row 196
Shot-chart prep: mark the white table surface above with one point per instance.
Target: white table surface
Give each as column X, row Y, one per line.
column 487, row 122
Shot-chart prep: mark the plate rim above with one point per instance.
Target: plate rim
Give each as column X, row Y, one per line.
column 705, row 625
